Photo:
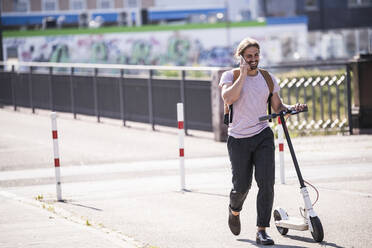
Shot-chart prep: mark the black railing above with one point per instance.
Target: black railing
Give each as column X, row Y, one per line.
column 142, row 94
column 147, row 97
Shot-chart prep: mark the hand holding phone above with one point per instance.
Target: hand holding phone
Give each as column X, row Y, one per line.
column 244, row 66
column 242, row 60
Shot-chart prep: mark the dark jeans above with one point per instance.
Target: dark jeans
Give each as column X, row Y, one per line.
column 244, row 153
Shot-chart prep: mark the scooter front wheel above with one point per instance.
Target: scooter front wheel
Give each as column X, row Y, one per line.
column 317, row 232
column 277, row 217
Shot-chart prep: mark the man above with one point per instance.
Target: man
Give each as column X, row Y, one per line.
column 251, row 142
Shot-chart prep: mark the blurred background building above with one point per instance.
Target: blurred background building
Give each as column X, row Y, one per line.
column 330, row 29
column 292, row 34
column 322, row 14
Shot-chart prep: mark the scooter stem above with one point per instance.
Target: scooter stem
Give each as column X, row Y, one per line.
column 289, row 142
column 307, row 201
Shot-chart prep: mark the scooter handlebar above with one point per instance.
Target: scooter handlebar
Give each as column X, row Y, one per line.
column 283, row 112
column 268, row 117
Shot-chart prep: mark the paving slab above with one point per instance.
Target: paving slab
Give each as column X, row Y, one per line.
column 26, row 225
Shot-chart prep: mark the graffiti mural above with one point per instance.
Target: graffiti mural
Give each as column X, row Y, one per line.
column 181, row 48
column 178, row 50
column 60, row 53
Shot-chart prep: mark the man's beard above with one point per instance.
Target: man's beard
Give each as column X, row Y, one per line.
column 253, row 67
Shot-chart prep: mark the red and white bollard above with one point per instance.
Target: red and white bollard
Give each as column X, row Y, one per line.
column 56, row 155
column 181, row 136
column 281, row 150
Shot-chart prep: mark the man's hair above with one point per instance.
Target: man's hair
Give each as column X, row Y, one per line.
column 244, row 44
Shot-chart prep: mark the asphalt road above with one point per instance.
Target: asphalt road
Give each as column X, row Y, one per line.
column 125, row 181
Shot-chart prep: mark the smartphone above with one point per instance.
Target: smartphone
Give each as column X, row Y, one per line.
column 246, row 63
column 241, row 56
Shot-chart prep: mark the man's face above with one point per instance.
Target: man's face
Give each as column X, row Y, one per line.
column 252, row 56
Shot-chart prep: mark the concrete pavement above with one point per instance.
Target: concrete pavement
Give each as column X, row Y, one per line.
column 121, row 188
column 27, row 223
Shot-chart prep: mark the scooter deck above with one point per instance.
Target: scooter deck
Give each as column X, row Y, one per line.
column 293, row 223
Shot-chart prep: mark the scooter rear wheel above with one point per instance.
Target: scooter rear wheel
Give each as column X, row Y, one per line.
column 281, row 230
column 317, row 232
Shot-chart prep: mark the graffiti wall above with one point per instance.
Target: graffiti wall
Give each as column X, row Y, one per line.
column 205, row 47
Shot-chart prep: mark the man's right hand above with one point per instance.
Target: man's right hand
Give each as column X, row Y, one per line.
column 244, row 66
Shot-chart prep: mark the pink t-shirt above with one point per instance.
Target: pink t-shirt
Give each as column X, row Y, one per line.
column 251, row 105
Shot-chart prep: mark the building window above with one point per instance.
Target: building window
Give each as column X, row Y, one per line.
column 311, row 5
column 105, row 4
column 50, row 5
column 77, row 4
column 131, row 3
column 359, row 3
column 21, row 6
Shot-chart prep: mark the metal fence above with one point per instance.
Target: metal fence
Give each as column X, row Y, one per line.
column 328, row 97
column 144, row 94
column 126, row 92
column 325, row 96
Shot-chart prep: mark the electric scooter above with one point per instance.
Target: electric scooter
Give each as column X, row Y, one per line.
column 309, row 220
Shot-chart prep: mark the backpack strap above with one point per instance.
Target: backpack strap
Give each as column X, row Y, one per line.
column 268, row 79
column 236, row 73
column 228, row 109
column 270, row 85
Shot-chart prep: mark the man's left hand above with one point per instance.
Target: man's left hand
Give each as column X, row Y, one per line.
column 298, row 107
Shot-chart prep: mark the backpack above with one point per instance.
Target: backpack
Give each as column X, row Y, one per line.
column 228, row 109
